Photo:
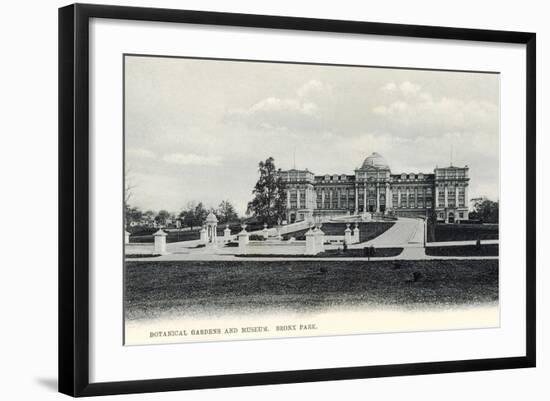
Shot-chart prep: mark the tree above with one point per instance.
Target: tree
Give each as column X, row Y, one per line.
column 269, row 193
column 194, row 214
column 485, row 210
column 132, row 215
column 161, row 217
column 226, row 213
column 149, row 217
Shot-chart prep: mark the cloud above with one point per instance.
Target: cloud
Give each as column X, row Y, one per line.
column 313, row 88
column 276, row 105
column 405, row 88
column 408, row 88
column 140, row 153
column 190, row 159
column 301, row 111
column 412, row 111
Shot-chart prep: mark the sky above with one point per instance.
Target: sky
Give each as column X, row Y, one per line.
column 195, row 130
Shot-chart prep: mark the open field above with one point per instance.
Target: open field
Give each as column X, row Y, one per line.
column 208, row 288
column 465, row 232
column 339, row 253
column 463, row 250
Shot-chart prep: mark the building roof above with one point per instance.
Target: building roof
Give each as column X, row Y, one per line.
column 375, row 160
column 211, row 218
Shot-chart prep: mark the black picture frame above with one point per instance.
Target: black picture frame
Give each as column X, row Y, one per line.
column 74, row 194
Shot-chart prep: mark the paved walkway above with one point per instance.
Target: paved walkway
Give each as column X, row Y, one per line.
column 405, row 233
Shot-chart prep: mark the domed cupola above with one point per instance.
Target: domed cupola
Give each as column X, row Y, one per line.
column 375, row 160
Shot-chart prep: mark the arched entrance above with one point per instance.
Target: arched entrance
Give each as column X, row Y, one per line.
column 451, row 218
column 292, row 218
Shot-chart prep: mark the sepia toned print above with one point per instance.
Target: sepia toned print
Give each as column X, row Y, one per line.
column 267, row 200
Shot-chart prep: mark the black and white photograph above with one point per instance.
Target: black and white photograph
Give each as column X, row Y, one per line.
column 274, row 199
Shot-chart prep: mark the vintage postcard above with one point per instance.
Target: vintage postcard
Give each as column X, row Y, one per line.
column 269, row 199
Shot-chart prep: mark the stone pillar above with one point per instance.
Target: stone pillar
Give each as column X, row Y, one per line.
column 243, row 237
column 456, row 195
column 347, row 235
column 356, row 238
column 265, row 232
column 160, row 242
column 319, row 239
column 126, row 237
column 330, row 198
column 227, row 233
column 407, row 196
column 311, row 242
column 446, row 197
column 388, row 197
column 203, row 237
column 338, row 199
column 437, row 195
column 466, row 199
column 297, row 198
column 323, row 198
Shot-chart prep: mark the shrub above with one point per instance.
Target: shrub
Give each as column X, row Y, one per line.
column 256, row 237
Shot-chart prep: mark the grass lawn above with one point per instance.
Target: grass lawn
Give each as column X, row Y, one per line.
column 367, row 231
column 465, row 232
column 199, row 288
column 338, row 253
column 171, row 237
column 463, row 250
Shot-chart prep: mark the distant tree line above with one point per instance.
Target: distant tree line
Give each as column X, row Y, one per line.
column 192, row 215
column 268, row 205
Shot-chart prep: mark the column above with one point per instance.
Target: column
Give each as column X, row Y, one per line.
column 339, row 197
column 365, row 197
column 415, row 197
column 466, row 199
column 436, row 195
column 407, row 196
column 446, row 197
column 356, row 199
column 388, row 197
column 288, row 199
column 330, row 197
column 398, row 196
column 377, row 198
column 297, row 198
column 424, row 197
column 323, row 198
column 456, row 195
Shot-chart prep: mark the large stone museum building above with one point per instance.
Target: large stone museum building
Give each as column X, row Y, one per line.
column 373, row 188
